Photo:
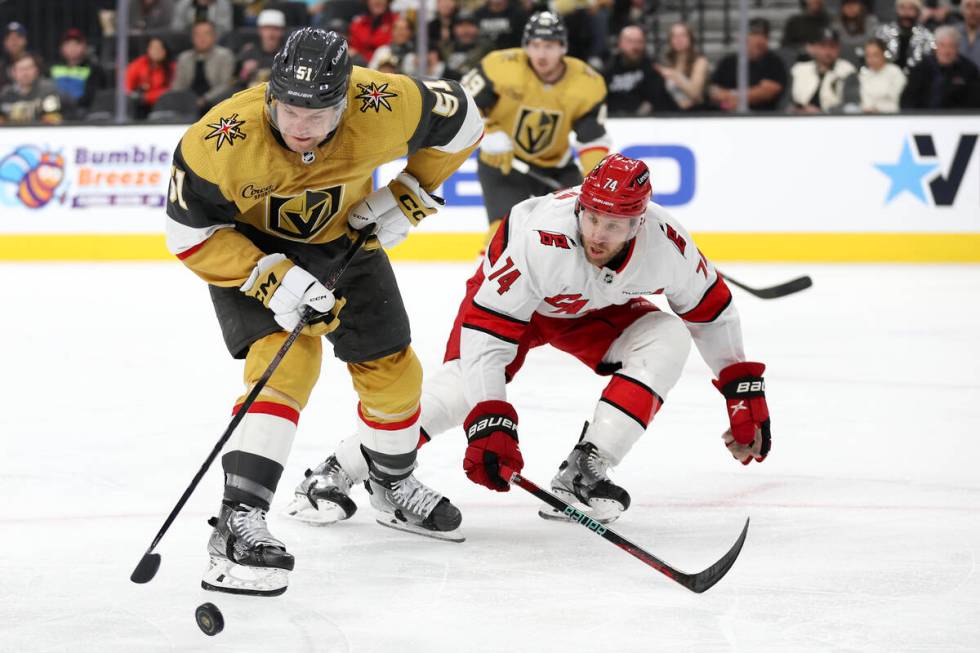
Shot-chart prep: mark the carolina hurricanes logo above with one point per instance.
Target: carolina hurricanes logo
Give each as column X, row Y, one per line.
column 226, row 129
column 374, row 97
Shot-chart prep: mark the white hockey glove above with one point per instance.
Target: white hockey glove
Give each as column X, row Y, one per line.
column 285, row 289
column 395, row 209
column 497, row 150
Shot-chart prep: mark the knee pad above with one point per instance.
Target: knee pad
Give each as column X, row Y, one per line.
column 389, row 390
column 293, row 380
column 653, row 350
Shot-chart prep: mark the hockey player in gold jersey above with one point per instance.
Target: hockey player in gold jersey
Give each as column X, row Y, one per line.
column 265, row 191
column 533, row 98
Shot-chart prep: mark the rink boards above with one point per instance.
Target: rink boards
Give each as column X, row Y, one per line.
column 899, row 188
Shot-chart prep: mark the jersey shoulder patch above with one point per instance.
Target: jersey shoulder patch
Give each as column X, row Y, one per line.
column 589, row 85
column 225, row 133
column 505, row 67
column 383, row 110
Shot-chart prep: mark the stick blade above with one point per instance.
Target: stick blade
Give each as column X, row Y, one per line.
column 705, row 580
column 146, row 569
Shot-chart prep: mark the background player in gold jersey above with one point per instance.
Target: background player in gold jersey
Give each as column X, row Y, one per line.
column 265, row 190
column 533, row 98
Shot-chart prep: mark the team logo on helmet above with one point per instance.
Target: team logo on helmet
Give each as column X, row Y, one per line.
column 300, row 217
column 226, row 130
column 536, row 129
column 374, row 97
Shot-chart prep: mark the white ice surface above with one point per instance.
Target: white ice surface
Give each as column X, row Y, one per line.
column 114, row 385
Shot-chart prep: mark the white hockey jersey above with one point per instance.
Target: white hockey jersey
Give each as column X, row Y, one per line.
column 538, row 266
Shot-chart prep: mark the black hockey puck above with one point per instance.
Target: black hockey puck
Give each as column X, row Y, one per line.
column 209, row 619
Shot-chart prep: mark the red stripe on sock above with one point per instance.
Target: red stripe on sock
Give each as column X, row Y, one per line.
column 270, row 408
column 389, row 426
column 634, row 398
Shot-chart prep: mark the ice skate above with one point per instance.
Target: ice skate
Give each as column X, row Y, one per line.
column 245, row 557
column 324, row 495
column 411, row 506
column 582, row 481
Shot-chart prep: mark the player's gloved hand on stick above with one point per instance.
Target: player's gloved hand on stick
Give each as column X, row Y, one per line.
column 497, row 150
column 286, row 289
column 394, row 209
column 745, row 394
column 491, row 428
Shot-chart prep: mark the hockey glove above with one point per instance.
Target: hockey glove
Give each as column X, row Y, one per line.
column 491, row 428
column 285, row 289
column 395, row 209
column 745, row 394
column 497, row 150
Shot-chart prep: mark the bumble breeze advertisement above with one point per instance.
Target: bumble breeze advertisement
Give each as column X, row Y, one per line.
column 85, row 179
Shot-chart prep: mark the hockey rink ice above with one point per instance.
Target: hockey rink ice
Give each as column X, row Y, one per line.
column 865, row 527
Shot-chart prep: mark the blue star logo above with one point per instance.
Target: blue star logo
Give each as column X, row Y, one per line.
column 906, row 175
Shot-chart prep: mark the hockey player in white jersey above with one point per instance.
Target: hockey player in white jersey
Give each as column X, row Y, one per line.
column 570, row 269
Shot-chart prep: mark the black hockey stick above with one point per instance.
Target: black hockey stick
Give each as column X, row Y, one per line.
column 697, row 583
column 150, row 562
column 527, row 171
column 774, row 292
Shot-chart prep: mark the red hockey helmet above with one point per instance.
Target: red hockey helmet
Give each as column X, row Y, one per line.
column 617, row 186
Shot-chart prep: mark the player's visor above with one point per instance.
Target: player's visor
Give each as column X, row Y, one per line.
column 605, row 227
column 301, row 122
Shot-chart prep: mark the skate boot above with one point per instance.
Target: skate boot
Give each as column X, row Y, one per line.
column 245, row 558
column 409, row 505
column 582, row 481
column 324, row 495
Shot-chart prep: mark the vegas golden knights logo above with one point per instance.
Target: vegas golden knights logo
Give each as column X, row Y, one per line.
column 300, row 217
column 536, row 129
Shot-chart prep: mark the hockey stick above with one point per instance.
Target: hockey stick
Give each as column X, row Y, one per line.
column 525, row 169
column 697, row 583
column 150, row 562
column 774, row 292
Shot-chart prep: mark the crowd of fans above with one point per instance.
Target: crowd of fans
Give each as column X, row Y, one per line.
column 913, row 54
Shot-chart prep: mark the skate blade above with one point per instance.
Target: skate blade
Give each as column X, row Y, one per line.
column 226, row 576
column 326, row 512
column 390, row 521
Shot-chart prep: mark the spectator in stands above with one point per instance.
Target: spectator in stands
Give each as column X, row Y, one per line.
column 370, row 31
column 633, row 12
column 77, row 75
column 14, row 47
column 970, row 31
column 767, row 74
column 342, row 28
column 633, row 85
column 150, row 15
column 804, row 28
column 908, row 42
column 441, row 27
column 685, row 69
column 255, row 61
column 817, row 86
column 502, row 21
column 854, row 25
column 207, row 69
column 466, row 49
column 336, row 11
column 191, row 12
column 944, row 79
column 400, row 49
column 587, row 22
column 936, row 13
column 29, row 97
column 880, row 82
column 150, row 76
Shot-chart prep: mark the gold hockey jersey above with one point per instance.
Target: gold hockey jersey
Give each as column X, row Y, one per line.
column 232, row 167
column 539, row 117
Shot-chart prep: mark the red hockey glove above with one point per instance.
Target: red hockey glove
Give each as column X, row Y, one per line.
column 745, row 393
column 491, row 428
